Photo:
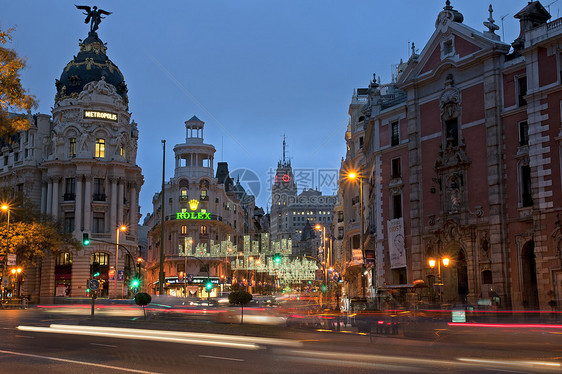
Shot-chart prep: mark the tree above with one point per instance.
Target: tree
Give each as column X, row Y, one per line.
column 143, row 299
column 240, row 297
column 13, row 97
column 30, row 235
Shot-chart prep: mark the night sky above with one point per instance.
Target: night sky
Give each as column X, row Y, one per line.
column 251, row 70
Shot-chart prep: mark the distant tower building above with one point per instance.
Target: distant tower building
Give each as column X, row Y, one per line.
column 290, row 211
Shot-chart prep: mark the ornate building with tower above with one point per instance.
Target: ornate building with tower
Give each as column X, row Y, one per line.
column 79, row 166
column 206, row 217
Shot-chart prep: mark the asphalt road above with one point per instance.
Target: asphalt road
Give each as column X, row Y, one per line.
column 39, row 342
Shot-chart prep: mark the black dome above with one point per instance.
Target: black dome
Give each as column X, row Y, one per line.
column 90, row 65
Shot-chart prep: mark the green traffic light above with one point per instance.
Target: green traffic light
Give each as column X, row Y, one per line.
column 209, row 285
column 135, row 283
column 85, row 239
column 96, row 274
column 277, row 258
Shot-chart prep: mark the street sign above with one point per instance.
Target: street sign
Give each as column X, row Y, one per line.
column 135, row 290
column 189, row 278
column 120, row 275
column 11, row 260
column 94, row 284
column 111, row 274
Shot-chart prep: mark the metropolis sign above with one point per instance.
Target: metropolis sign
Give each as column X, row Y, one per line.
column 100, row 115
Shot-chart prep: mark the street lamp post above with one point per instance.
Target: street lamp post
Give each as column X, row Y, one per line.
column 5, row 208
column 324, row 256
column 432, row 262
column 120, row 228
column 353, row 176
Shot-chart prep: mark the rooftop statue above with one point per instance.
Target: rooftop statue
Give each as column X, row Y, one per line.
column 93, row 15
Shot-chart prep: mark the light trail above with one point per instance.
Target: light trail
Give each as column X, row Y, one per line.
column 141, row 335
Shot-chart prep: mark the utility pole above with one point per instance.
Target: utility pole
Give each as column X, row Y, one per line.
column 162, row 217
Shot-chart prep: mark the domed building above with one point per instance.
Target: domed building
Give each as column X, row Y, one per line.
column 80, row 167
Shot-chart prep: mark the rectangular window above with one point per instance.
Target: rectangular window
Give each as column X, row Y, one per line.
column 521, row 90
column 203, row 230
column 526, row 195
column 395, row 134
column 99, row 222
column 5, row 160
column 16, row 156
column 122, row 150
column 452, row 132
column 70, row 189
column 99, row 185
column 396, row 206
column 69, row 222
column 361, row 142
column 523, row 133
column 64, row 258
column 396, row 169
column 72, row 147
column 184, row 229
column 100, row 148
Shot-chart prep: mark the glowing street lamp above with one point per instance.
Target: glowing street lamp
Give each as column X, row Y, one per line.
column 432, row 262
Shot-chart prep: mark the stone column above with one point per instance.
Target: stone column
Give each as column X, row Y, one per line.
column 55, row 207
column 79, row 202
column 120, row 195
column 113, row 204
column 87, row 203
column 50, row 196
column 133, row 211
column 43, row 196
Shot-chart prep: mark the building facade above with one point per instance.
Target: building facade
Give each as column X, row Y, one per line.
column 80, row 168
column 206, row 217
column 463, row 161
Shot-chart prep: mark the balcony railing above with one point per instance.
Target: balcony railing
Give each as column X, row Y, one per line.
column 203, row 198
column 99, row 197
column 69, row 196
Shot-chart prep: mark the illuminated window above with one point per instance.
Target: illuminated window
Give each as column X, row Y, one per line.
column 203, row 230
column 184, row 229
column 122, row 150
column 183, row 192
column 64, row 258
column 100, row 148
column 72, row 147
column 99, row 257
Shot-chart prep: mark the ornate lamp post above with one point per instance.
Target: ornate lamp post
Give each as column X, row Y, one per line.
column 6, row 208
column 432, row 262
column 120, row 228
column 353, row 176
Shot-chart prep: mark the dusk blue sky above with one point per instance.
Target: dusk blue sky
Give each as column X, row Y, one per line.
column 251, row 70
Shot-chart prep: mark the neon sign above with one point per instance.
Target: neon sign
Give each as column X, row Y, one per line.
column 193, row 215
column 101, row 115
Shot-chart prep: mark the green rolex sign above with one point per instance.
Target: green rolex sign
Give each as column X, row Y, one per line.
column 193, row 215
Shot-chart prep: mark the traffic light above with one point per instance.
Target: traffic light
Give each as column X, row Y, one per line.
column 135, row 283
column 95, row 269
column 209, row 285
column 324, row 288
column 85, row 239
column 277, row 258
